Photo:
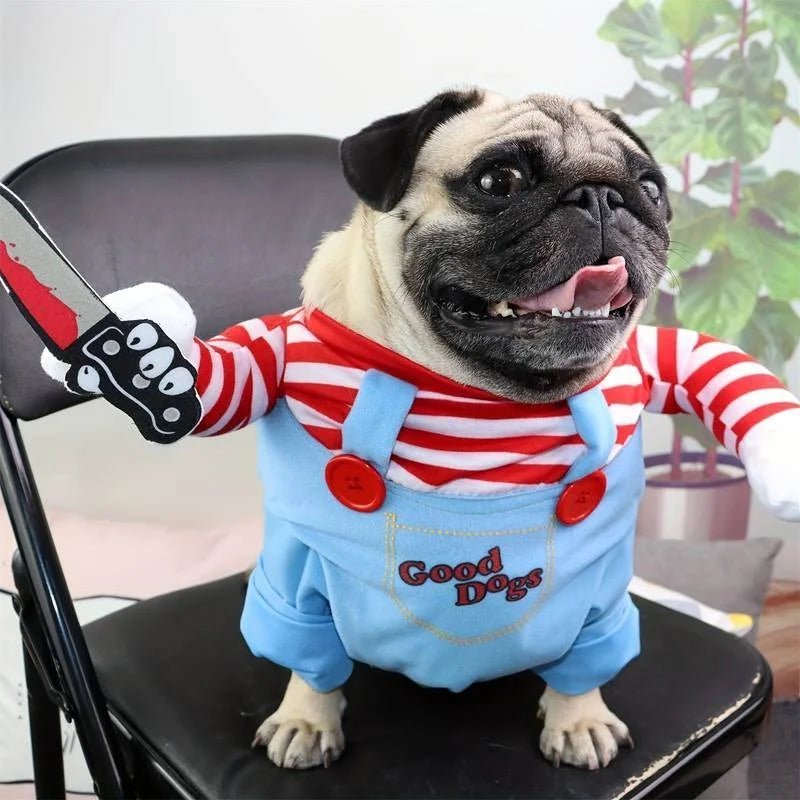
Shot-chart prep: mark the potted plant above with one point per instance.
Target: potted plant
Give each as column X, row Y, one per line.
column 707, row 101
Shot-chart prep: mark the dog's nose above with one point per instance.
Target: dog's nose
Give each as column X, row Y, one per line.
column 596, row 200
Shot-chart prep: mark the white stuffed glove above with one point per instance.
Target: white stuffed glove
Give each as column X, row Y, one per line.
column 150, row 301
column 770, row 452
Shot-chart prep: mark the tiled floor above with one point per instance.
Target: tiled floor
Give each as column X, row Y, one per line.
column 779, row 636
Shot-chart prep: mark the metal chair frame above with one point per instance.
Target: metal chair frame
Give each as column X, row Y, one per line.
column 58, row 669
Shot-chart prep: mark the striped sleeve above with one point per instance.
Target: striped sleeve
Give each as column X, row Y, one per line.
column 693, row 373
column 239, row 373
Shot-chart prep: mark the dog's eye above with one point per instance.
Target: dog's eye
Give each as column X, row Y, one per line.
column 502, row 181
column 651, row 190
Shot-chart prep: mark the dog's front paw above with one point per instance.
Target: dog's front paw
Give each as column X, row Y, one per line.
column 298, row 743
column 580, row 730
column 306, row 730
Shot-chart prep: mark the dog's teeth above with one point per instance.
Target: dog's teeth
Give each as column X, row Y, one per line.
column 576, row 312
column 555, row 313
column 567, row 314
column 501, row 309
column 605, row 310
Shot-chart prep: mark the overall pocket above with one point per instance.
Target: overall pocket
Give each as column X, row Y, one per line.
column 469, row 586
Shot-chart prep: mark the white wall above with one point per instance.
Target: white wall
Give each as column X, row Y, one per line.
column 77, row 70
column 72, row 71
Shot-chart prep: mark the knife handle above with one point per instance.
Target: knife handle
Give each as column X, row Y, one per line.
column 141, row 371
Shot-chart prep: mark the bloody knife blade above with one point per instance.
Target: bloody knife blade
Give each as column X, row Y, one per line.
column 132, row 363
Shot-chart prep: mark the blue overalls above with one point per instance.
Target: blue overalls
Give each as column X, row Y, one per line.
column 446, row 589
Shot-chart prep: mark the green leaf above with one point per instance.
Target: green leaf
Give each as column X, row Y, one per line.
column 695, row 227
column 688, row 21
column 637, row 101
column 718, row 177
column 740, row 127
column 647, row 72
column 675, row 131
column 726, row 26
column 755, row 26
column 752, row 75
column 770, row 251
column 708, row 72
column 709, row 147
column 778, row 196
column 783, row 19
column 720, row 297
column 638, row 32
column 660, row 311
column 772, row 334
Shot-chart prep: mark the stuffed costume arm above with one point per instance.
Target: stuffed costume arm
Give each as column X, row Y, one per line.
column 748, row 409
column 238, row 371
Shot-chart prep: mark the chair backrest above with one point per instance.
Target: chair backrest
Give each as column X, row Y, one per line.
column 229, row 222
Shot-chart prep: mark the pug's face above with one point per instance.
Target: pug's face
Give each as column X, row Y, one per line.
column 532, row 231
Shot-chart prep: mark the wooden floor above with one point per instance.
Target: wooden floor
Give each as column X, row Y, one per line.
column 779, row 636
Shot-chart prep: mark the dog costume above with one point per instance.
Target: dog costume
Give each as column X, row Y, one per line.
column 433, row 529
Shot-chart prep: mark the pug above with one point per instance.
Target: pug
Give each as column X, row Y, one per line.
column 503, row 251
column 468, row 202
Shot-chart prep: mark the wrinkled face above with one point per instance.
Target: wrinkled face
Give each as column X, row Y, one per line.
column 533, row 233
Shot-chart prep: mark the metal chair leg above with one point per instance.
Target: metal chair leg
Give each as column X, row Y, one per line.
column 45, row 726
column 54, row 638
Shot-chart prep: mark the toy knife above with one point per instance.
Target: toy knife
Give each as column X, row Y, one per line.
column 132, row 363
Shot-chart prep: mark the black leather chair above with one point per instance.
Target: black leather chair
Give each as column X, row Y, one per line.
column 164, row 694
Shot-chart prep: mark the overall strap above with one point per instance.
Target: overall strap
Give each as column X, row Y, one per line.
column 596, row 427
column 371, row 428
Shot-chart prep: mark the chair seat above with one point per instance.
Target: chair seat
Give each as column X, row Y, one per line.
column 179, row 677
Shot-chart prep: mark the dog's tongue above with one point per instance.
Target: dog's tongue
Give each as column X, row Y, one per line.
column 589, row 288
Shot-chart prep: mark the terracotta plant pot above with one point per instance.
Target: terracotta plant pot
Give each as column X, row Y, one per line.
column 694, row 506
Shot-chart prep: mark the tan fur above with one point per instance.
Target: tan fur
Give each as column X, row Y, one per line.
column 580, row 730
column 354, row 277
column 306, row 730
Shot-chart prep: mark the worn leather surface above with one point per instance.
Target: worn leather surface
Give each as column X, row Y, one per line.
column 175, row 668
column 229, row 222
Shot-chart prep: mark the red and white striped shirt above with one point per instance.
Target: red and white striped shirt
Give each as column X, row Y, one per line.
column 459, row 438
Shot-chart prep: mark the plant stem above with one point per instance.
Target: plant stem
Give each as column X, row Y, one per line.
column 688, row 88
column 688, row 76
column 711, row 463
column 675, row 456
column 736, row 187
column 736, row 167
column 686, row 172
column 743, row 26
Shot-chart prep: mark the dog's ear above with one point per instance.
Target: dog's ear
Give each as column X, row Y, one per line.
column 617, row 121
column 378, row 160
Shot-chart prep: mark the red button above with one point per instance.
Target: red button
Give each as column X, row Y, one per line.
column 355, row 483
column 579, row 499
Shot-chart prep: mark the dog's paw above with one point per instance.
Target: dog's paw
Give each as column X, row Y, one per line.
column 306, row 730
column 298, row 743
column 580, row 730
